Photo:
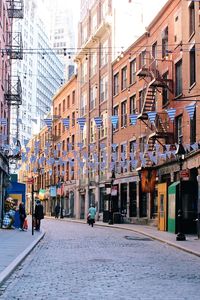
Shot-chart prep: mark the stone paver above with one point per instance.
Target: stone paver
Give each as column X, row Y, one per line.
column 75, row 261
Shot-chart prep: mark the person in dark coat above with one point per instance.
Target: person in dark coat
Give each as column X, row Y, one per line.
column 22, row 215
column 39, row 214
column 57, row 210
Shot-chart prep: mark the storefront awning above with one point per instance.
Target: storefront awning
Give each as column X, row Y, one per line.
column 43, row 194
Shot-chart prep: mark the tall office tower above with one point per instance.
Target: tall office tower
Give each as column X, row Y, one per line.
column 61, row 22
column 106, row 28
column 41, row 73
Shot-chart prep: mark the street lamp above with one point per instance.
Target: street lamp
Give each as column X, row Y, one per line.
column 110, row 222
column 180, row 153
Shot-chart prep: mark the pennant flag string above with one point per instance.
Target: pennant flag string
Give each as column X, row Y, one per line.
column 190, row 110
column 171, row 113
column 81, row 123
column 133, row 119
column 98, row 122
column 152, row 116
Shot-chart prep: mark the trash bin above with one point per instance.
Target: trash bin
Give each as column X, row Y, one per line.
column 117, row 218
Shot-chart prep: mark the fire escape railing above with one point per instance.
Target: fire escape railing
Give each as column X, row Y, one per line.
column 13, row 91
column 14, row 46
column 15, row 9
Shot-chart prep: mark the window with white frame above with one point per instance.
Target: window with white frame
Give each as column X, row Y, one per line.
column 84, row 135
column 132, row 104
column 116, row 84
column 93, row 96
column 124, row 78
column 104, row 53
column 84, row 34
column 104, row 88
column 132, row 71
column 94, row 22
column 92, row 131
column 84, row 72
column 83, row 104
column 142, row 59
column 93, row 63
column 124, row 114
column 104, row 127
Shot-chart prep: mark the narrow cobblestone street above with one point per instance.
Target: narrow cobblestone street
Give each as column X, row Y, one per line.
column 75, row 261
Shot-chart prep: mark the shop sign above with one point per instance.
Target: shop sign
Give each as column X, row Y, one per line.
column 30, row 180
column 114, row 190
column 185, row 174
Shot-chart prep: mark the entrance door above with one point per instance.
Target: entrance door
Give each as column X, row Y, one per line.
column 162, row 206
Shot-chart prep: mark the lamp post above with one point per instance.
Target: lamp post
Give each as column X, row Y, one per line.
column 110, row 222
column 180, row 153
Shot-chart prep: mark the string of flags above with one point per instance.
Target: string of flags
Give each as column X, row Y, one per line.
column 92, row 161
column 171, row 112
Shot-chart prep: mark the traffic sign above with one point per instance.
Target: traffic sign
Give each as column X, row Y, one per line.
column 30, row 180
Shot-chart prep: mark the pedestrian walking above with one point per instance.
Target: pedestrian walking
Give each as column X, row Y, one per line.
column 22, row 215
column 57, row 210
column 39, row 214
column 91, row 215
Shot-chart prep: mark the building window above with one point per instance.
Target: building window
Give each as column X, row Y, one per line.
column 141, row 99
column 133, row 71
column 59, row 110
column 63, row 105
column 116, row 113
column 179, row 129
column 192, row 66
column 132, row 104
column 124, row 114
column 93, row 63
column 165, row 91
column 178, row 78
column 193, row 129
column 142, row 59
column 104, row 88
column 68, row 101
column 93, row 95
column 124, row 158
column 142, row 143
column 103, row 132
column 92, row 131
column 191, row 18
column 124, row 78
column 73, row 141
column 155, row 50
column 73, row 97
column 116, row 84
column 104, row 53
column 83, row 104
column 132, row 150
column 73, row 119
column 165, row 42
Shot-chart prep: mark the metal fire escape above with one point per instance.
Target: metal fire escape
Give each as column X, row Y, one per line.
column 154, row 83
column 14, row 49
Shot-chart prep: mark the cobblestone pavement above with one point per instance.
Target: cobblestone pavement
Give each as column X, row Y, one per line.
column 75, row 261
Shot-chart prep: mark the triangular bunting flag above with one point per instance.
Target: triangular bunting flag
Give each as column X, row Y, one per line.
column 171, row 113
column 81, row 123
column 133, row 119
column 190, row 109
column 48, row 122
column 98, row 122
column 152, row 116
column 114, row 120
column 66, row 122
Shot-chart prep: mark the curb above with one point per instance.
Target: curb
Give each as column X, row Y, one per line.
column 15, row 263
column 193, row 252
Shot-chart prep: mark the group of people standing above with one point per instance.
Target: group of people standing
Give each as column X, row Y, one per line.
column 38, row 215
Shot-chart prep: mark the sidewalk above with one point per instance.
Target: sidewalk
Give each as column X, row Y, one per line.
column 15, row 245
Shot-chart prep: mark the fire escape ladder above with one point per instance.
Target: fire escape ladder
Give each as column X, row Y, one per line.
column 15, row 9
column 13, row 91
column 14, row 45
column 149, row 100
